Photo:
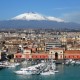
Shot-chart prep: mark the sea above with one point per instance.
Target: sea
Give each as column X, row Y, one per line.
column 66, row 72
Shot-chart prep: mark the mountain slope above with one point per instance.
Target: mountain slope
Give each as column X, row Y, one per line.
column 37, row 24
column 36, row 16
column 35, row 20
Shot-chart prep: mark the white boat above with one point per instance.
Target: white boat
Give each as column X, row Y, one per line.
column 56, row 71
column 50, row 72
column 24, row 62
column 50, row 69
column 77, row 62
column 25, row 71
column 73, row 62
column 70, row 61
column 29, row 70
column 67, row 62
column 16, row 64
column 12, row 65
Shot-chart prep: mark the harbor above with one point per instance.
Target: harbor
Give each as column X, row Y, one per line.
column 41, row 57
column 65, row 73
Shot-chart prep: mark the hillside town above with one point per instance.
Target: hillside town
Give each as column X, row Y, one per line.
column 39, row 44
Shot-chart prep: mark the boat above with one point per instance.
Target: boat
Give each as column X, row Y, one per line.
column 47, row 72
column 2, row 66
column 77, row 62
column 25, row 71
column 67, row 62
column 12, row 65
column 24, row 62
column 30, row 70
column 50, row 69
column 70, row 61
column 73, row 62
column 41, row 68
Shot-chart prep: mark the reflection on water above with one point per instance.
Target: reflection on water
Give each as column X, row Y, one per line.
column 60, row 68
column 35, row 77
column 31, row 77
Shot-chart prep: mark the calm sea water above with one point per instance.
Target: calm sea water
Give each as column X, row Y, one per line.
column 65, row 73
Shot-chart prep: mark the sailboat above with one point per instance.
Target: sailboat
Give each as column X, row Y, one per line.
column 50, row 69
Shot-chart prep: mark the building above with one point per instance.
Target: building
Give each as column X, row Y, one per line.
column 53, row 44
column 40, row 56
column 56, row 53
column 31, row 56
column 72, row 54
column 27, row 51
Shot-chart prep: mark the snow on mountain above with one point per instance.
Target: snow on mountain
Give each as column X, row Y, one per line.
column 36, row 16
column 55, row 19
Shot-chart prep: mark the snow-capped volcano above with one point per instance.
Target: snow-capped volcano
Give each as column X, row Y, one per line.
column 36, row 16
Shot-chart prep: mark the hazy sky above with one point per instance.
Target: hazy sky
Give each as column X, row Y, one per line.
column 69, row 10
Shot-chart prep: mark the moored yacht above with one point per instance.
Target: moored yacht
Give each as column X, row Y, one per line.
column 26, row 71
column 11, row 65
column 50, row 69
column 49, row 72
column 30, row 70
column 77, row 62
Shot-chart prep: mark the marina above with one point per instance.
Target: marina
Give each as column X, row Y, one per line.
column 43, row 68
column 69, row 72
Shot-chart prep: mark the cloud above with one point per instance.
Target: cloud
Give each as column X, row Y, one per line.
column 72, row 17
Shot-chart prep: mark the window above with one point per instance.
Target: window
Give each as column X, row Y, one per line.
column 61, row 56
column 65, row 56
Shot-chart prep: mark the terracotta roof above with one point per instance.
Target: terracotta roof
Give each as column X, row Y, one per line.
column 72, row 52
